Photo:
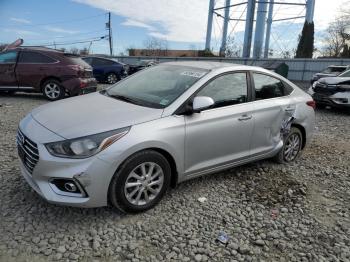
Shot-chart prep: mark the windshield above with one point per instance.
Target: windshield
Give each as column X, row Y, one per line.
column 330, row 69
column 157, row 86
column 345, row 74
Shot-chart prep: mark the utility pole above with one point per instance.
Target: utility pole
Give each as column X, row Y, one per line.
column 225, row 26
column 109, row 27
column 268, row 29
column 210, row 24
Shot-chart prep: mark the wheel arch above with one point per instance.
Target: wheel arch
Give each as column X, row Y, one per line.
column 303, row 133
column 46, row 79
column 168, row 157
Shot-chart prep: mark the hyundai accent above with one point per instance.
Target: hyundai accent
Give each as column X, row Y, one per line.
column 127, row 144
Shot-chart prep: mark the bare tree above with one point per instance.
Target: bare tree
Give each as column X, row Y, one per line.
column 74, row 50
column 338, row 36
column 155, row 47
column 232, row 49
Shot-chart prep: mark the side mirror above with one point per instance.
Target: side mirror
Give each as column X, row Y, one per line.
column 202, row 102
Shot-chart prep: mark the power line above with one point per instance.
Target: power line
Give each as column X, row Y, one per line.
column 82, row 41
column 67, row 36
column 60, row 22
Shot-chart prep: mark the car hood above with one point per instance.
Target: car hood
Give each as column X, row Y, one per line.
column 335, row 80
column 91, row 114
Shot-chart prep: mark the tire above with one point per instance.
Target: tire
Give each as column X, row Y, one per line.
column 283, row 157
column 125, row 198
column 320, row 106
column 112, row 78
column 11, row 92
column 53, row 90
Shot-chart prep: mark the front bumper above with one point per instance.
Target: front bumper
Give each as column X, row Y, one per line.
column 339, row 99
column 93, row 175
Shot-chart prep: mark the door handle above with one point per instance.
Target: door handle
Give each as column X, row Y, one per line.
column 244, row 118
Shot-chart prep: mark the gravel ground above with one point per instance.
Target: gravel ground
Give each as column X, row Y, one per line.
column 270, row 212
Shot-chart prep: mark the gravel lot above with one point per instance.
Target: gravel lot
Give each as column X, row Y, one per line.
column 270, row 212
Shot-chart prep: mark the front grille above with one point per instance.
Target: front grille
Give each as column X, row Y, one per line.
column 27, row 151
column 324, row 89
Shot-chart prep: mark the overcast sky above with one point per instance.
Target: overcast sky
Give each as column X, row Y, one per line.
column 181, row 23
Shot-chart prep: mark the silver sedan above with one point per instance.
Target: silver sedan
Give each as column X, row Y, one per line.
column 127, row 144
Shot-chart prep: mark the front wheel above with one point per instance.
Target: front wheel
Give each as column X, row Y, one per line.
column 141, row 182
column 291, row 147
column 53, row 90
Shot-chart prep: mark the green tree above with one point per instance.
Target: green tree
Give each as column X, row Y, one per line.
column 305, row 47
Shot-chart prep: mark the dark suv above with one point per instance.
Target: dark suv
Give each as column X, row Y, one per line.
column 48, row 71
column 106, row 70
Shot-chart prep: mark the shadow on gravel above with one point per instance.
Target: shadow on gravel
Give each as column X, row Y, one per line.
column 24, row 95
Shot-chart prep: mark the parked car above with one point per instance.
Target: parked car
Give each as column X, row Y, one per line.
column 332, row 91
column 48, row 71
column 142, row 64
column 330, row 71
column 107, row 70
column 162, row 126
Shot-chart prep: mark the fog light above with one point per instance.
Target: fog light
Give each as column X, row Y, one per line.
column 70, row 187
column 67, row 187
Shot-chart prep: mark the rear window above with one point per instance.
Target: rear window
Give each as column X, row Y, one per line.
column 76, row 60
column 34, row 58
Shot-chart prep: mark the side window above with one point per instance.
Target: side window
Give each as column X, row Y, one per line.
column 225, row 90
column 9, row 57
column 34, row 58
column 269, row 87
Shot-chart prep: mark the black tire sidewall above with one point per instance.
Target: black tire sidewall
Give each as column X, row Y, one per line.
column 293, row 130
column 62, row 90
column 116, row 188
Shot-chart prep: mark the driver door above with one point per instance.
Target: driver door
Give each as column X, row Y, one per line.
column 221, row 134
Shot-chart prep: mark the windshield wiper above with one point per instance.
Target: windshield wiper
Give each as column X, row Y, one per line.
column 125, row 99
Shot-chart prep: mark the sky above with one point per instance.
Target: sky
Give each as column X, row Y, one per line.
column 181, row 23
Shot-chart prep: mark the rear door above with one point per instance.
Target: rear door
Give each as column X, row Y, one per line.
column 273, row 107
column 32, row 67
column 7, row 70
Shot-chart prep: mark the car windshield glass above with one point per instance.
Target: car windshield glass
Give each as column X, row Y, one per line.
column 329, row 70
column 157, row 86
column 345, row 74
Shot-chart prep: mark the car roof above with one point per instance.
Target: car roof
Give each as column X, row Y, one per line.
column 37, row 48
column 202, row 64
column 207, row 65
column 338, row 66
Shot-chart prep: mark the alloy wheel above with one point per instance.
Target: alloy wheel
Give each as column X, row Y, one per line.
column 292, row 147
column 144, row 183
column 52, row 90
column 112, row 78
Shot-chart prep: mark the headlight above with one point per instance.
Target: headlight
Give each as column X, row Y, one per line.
column 314, row 84
column 87, row 146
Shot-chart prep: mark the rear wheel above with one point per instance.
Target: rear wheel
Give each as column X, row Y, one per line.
column 53, row 90
column 291, row 147
column 141, row 182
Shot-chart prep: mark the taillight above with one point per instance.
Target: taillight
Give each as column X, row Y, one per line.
column 311, row 103
column 78, row 68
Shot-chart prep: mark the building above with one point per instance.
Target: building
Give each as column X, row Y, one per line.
column 169, row 53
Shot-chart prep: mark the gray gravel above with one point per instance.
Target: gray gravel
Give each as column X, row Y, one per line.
column 271, row 212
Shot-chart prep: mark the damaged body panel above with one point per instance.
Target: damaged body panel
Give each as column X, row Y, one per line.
column 332, row 91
